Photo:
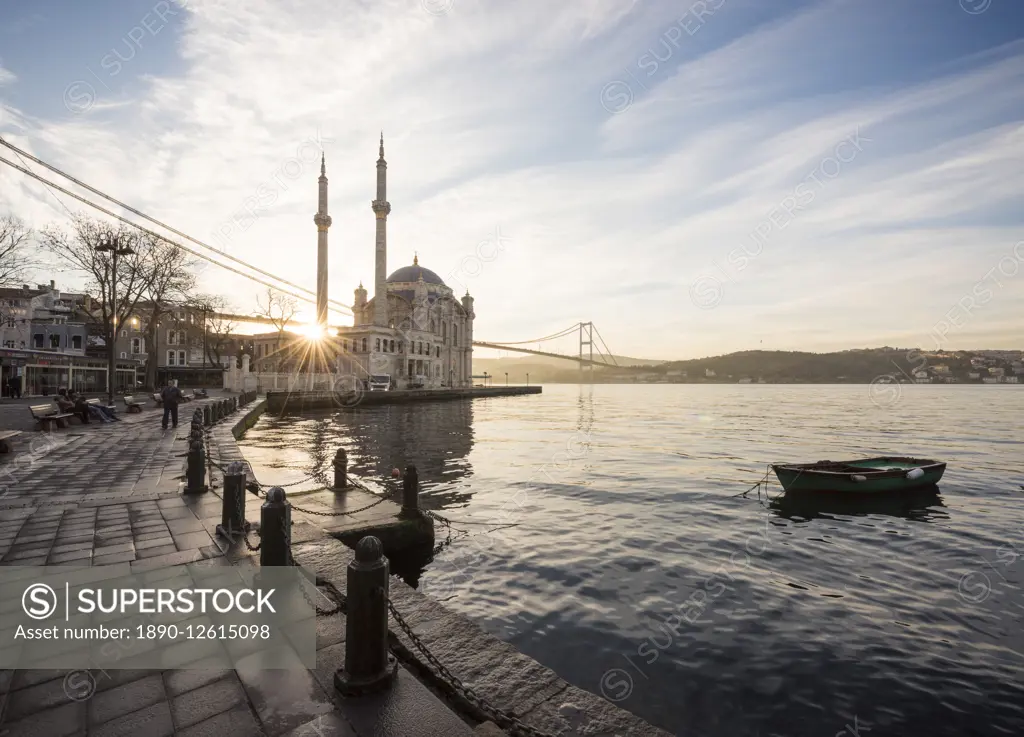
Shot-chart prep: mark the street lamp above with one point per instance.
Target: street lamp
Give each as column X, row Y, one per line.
column 110, row 243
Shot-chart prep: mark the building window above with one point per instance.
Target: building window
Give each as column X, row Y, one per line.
column 170, row 338
column 444, row 332
column 37, row 340
column 432, row 327
column 170, row 358
column 378, row 344
column 438, row 351
column 124, row 333
column 76, row 342
column 455, row 335
column 419, row 347
column 392, row 347
column 364, row 345
column 136, row 345
column 401, row 347
column 123, row 355
column 55, row 341
column 181, row 358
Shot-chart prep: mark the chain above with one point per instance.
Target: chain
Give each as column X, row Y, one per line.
column 503, row 719
column 339, row 514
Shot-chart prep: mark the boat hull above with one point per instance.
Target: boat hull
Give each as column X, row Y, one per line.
column 868, row 476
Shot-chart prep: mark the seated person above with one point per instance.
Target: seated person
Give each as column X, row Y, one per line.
column 73, row 403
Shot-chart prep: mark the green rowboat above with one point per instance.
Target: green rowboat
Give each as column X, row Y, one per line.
column 870, row 475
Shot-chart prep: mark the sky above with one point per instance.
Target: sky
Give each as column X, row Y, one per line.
column 694, row 179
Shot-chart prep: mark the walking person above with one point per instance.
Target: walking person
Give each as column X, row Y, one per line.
column 170, row 395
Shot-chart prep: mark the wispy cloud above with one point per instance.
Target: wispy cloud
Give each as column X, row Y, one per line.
column 492, row 118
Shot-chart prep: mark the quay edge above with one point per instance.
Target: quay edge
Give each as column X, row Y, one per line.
column 284, row 401
column 495, row 669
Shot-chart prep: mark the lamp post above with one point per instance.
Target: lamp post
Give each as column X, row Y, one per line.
column 506, row 378
column 527, row 379
column 205, row 308
column 110, row 243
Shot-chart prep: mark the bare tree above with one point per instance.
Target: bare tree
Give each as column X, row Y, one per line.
column 15, row 263
column 279, row 308
column 76, row 247
column 217, row 341
column 171, row 287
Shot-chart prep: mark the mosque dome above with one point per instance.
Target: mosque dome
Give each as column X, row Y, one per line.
column 413, row 273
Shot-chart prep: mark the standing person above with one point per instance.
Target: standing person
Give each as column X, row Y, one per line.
column 170, row 396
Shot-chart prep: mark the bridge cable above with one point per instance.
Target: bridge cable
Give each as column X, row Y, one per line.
column 157, row 235
column 134, row 211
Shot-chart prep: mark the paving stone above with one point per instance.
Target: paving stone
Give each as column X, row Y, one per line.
column 177, row 682
column 124, row 699
column 62, row 721
column 152, row 721
column 184, row 525
column 82, row 555
column 192, row 540
column 239, row 722
column 206, row 701
column 107, row 560
column 35, row 698
column 154, row 542
column 152, row 551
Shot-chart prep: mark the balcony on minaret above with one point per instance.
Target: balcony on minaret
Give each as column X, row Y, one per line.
column 323, row 222
column 382, row 209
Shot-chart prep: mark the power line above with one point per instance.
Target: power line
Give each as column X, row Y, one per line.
column 186, row 249
column 24, row 154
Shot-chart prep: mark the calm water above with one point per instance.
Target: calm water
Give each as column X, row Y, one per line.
column 635, row 572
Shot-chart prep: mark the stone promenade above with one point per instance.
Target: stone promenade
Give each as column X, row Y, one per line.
column 110, row 493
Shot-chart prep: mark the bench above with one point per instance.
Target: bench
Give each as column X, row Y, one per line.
column 47, row 417
column 131, row 405
column 5, row 437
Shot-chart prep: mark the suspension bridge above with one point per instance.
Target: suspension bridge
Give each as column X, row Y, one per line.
column 585, row 357
column 588, row 341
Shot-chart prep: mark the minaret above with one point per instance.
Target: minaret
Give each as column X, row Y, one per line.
column 323, row 222
column 381, row 208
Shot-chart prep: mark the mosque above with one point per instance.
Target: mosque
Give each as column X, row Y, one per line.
column 414, row 329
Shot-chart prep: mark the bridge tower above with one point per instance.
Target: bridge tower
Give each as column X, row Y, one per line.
column 587, row 339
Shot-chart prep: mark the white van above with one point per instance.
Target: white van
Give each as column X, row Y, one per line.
column 379, row 382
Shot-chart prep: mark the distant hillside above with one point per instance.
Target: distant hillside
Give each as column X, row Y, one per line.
column 851, row 366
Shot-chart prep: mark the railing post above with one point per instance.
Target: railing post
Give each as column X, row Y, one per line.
column 197, row 417
column 207, row 415
column 276, row 529
column 232, row 517
column 340, row 470
column 369, row 667
column 410, row 493
column 195, row 468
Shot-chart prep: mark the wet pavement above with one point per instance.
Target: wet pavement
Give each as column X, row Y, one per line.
column 110, row 493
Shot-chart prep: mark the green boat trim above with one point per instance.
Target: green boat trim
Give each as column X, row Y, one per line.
column 868, row 475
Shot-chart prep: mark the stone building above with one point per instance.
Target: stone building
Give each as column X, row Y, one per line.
column 414, row 329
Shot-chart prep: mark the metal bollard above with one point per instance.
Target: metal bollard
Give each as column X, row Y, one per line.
column 232, row 517
column 340, row 470
column 276, row 529
column 369, row 667
column 197, row 417
column 410, row 494
column 195, row 468
column 207, row 416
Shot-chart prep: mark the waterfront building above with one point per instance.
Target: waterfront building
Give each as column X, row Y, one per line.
column 414, row 328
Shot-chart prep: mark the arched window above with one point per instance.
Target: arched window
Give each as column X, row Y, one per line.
column 438, row 351
column 455, row 335
column 377, row 344
column 364, row 345
column 433, row 329
column 444, row 332
column 392, row 346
